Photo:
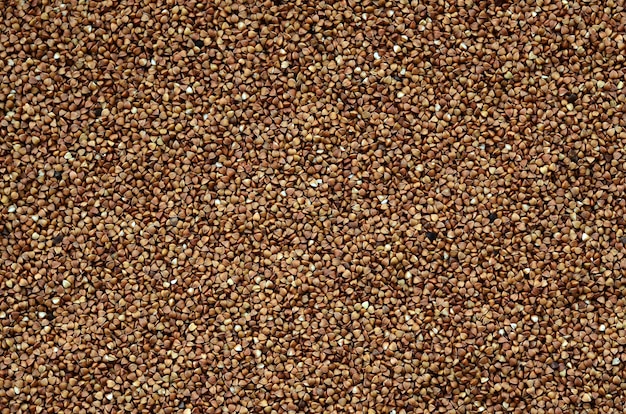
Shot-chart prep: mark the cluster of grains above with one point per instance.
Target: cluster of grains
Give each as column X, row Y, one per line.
column 341, row 207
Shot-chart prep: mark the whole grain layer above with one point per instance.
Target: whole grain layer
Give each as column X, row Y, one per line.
column 325, row 207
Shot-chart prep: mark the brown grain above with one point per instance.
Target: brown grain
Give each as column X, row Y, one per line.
column 380, row 207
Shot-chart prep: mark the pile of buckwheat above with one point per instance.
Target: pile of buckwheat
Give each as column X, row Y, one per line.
column 325, row 207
